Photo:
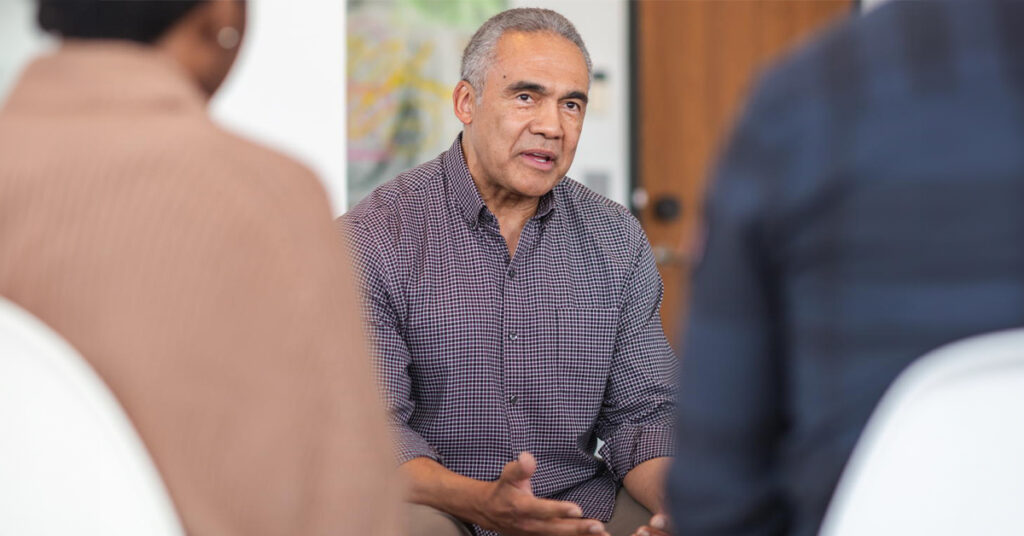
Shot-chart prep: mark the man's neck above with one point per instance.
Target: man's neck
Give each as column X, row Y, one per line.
column 511, row 210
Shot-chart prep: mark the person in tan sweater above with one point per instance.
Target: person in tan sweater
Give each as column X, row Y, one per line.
column 199, row 274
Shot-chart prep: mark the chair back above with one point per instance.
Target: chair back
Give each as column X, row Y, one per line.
column 70, row 460
column 943, row 453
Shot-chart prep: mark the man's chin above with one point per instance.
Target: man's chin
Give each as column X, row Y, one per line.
column 535, row 190
column 539, row 184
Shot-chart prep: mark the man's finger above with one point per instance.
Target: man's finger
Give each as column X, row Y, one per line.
column 565, row 527
column 648, row 530
column 534, row 508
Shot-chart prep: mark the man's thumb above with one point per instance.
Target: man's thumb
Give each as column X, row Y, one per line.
column 519, row 470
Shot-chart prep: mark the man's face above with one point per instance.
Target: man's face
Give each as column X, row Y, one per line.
column 522, row 132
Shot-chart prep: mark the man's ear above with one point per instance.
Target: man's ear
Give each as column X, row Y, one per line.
column 464, row 101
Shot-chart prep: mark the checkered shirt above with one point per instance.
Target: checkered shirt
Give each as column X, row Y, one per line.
column 482, row 356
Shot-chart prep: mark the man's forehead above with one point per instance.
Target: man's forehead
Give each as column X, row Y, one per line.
column 546, row 53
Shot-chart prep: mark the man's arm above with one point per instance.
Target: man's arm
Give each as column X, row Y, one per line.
column 646, row 483
column 391, row 356
column 635, row 420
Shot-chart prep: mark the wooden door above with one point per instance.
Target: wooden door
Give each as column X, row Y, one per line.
column 695, row 61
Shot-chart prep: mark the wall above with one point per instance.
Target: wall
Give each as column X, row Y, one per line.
column 19, row 40
column 288, row 87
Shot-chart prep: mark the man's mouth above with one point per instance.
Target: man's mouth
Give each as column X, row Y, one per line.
column 542, row 158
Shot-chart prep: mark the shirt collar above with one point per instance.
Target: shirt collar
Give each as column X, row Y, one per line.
column 467, row 196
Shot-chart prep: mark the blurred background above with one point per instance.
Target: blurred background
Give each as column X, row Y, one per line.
column 360, row 90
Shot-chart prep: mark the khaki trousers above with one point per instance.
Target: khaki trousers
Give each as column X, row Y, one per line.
column 426, row 521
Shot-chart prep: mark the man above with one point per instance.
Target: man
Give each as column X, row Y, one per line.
column 868, row 210
column 197, row 273
column 515, row 313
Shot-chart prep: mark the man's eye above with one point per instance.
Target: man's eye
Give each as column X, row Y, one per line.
column 573, row 105
column 523, row 97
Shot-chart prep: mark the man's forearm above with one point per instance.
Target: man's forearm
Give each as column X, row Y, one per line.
column 646, row 483
column 431, row 484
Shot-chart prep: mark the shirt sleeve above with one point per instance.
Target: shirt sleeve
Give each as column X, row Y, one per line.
column 391, row 354
column 635, row 421
column 730, row 418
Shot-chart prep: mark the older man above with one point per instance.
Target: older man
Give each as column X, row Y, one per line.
column 515, row 312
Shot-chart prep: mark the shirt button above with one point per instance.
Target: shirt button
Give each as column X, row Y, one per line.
column 513, row 399
column 511, row 274
column 513, row 336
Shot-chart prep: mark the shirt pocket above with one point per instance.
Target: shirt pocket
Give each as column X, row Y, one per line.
column 586, row 343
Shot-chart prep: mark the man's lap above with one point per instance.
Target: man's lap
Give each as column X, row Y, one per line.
column 426, row 521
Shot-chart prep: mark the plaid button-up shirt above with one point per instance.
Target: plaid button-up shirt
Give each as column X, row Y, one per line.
column 482, row 356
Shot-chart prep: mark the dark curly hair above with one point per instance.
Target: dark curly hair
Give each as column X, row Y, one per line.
column 136, row 20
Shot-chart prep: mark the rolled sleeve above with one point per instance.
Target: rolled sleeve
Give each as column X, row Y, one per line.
column 633, row 445
column 636, row 420
column 410, row 445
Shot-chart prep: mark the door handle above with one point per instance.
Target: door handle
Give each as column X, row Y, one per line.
column 667, row 208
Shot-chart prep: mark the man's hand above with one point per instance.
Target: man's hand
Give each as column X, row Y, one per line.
column 657, row 526
column 506, row 505
column 509, row 507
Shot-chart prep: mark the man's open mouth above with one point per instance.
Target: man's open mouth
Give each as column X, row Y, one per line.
column 540, row 157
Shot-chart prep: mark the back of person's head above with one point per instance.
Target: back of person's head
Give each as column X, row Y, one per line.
column 135, row 20
column 203, row 36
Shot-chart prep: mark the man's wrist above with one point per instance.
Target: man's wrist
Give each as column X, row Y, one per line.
column 433, row 485
column 470, row 502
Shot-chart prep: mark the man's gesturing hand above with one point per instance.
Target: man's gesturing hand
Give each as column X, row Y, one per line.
column 509, row 506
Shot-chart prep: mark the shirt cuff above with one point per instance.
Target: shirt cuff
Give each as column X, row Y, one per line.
column 410, row 445
column 632, row 445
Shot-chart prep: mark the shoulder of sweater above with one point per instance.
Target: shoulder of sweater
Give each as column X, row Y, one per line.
column 264, row 175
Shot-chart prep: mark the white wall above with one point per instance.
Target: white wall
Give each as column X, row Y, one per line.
column 20, row 40
column 288, row 87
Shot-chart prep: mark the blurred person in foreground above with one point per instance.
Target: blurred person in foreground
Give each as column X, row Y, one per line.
column 199, row 274
column 515, row 312
column 867, row 210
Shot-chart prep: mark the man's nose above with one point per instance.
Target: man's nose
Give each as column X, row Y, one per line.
column 547, row 122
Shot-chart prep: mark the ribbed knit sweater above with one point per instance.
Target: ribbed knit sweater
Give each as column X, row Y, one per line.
column 202, row 278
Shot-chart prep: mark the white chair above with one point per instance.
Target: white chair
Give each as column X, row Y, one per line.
column 943, row 453
column 70, row 460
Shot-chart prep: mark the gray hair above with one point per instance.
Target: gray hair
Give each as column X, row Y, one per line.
column 480, row 51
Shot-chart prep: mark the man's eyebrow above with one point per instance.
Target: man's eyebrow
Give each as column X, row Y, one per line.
column 524, row 85
column 577, row 95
